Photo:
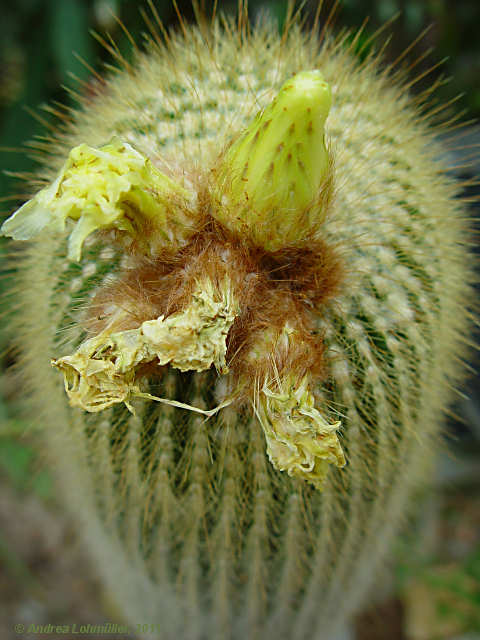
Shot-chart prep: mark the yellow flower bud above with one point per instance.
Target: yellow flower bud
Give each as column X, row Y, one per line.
column 274, row 181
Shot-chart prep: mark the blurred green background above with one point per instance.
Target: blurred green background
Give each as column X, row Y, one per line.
column 43, row 575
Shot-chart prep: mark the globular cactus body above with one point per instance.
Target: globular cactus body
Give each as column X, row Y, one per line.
column 348, row 304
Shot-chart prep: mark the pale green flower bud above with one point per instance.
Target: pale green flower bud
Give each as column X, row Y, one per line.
column 275, row 180
column 113, row 187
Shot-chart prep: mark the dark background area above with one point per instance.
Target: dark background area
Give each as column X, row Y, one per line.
column 434, row 589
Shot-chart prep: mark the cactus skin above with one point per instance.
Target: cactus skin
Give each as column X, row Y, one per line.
column 189, row 524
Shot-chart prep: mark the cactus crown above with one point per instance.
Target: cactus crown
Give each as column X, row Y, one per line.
column 179, row 253
column 269, row 193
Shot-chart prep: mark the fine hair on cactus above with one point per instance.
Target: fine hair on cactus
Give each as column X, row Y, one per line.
column 245, row 293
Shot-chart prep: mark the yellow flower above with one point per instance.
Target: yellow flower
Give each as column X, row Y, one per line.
column 113, row 187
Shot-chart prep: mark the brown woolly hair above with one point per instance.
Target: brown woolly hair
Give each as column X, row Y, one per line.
column 290, row 283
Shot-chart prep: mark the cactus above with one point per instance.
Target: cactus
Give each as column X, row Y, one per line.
column 248, row 264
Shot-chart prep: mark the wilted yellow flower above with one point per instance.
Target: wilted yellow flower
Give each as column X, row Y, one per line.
column 113, row 187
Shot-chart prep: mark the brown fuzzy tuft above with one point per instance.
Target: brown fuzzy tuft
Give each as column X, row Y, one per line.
column 269, row 286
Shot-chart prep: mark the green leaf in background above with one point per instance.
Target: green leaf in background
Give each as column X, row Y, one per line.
column 70, row 21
